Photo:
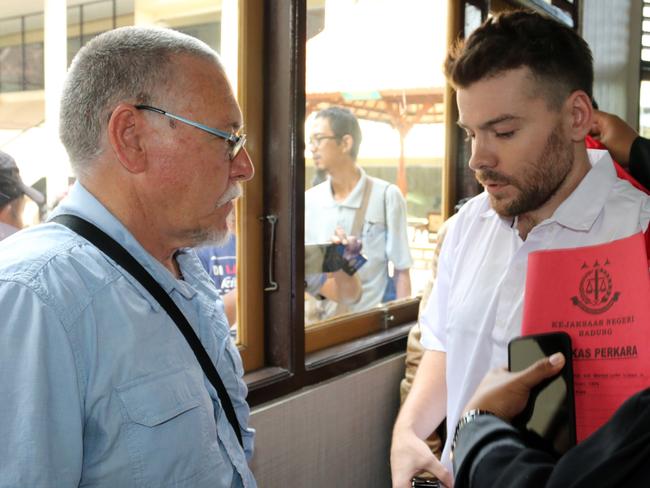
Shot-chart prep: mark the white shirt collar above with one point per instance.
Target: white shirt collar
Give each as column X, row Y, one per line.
column 353, row 200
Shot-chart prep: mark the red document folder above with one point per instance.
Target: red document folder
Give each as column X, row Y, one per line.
column 600, row 296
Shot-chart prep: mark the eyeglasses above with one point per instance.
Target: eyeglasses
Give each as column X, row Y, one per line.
column 316, row 140
column 236, row 142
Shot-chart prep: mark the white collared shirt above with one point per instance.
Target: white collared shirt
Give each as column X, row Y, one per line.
column 477, row 302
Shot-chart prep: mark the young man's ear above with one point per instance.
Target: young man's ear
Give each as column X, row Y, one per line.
column 580, row 113
column 125, row 137
column 347, row 142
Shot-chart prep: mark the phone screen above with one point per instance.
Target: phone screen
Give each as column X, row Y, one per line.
column 550, row 413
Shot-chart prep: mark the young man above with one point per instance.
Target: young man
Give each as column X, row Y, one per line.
column 335, row 203
column 524, row 86
column 98, row 385
column 12, row 196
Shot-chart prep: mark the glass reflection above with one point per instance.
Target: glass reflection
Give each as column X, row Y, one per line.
column 374, row 151
column 355, row 211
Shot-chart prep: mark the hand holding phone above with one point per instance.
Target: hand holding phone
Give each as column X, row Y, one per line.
column 549, row 416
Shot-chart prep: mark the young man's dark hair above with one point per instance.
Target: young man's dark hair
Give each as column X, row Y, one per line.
column 343, row 122
column 557, row 56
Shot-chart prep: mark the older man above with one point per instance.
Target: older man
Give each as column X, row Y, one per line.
column 12, row 196
column 98, row 386
column 524, row 86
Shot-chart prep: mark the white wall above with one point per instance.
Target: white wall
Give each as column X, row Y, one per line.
column 336, row 434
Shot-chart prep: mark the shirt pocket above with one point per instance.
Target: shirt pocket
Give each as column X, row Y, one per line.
column 166, row 428
column 372, row 229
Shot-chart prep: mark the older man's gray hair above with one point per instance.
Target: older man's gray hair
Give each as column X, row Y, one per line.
column 129, row 64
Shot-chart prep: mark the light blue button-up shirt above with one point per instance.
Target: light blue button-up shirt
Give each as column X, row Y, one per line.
column 97, row 385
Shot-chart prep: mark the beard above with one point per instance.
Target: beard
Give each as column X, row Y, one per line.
column 218, row 236
column 538, row 182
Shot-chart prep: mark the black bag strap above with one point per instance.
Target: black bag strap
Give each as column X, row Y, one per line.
column 111, row 248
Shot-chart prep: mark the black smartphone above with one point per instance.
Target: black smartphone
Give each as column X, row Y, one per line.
column 549, row 416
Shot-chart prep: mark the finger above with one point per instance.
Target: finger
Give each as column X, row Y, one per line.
column 542, row 369
column 439, row 471
column 402, row 479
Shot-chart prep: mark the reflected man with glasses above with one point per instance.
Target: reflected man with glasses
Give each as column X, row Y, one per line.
column 99, row 386
column 350, row 198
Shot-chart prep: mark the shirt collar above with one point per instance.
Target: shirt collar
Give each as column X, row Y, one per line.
column 353, row 200
column 82, row 203
column 580, row 210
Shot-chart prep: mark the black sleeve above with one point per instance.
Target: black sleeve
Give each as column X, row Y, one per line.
column 640, row 160
column 617, row 454
column 490, row 452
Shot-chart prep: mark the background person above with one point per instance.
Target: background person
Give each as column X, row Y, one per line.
column 12, row 196
column 98, row 386
column 524, row 94
column 625, row 145
column 219, row 260
column 334, row 142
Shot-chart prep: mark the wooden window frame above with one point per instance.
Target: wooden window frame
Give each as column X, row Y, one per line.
column 250, row 313
column 280, row 354
column 295, row 357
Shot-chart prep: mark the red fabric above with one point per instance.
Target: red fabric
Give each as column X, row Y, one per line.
column 592, row 143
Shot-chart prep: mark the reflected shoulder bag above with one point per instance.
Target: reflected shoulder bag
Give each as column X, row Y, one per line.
column 121, row 256
column 356, row 230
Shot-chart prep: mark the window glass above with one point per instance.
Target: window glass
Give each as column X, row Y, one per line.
column 11, row 57
column 375, row 65
column 645, row 33
column 473, row 18
column 11, row 73
column 644, row 92
column 644, row 112
column 34, row 66
column 97, row 18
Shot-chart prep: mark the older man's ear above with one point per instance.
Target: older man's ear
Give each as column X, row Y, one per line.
column 126, row 136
